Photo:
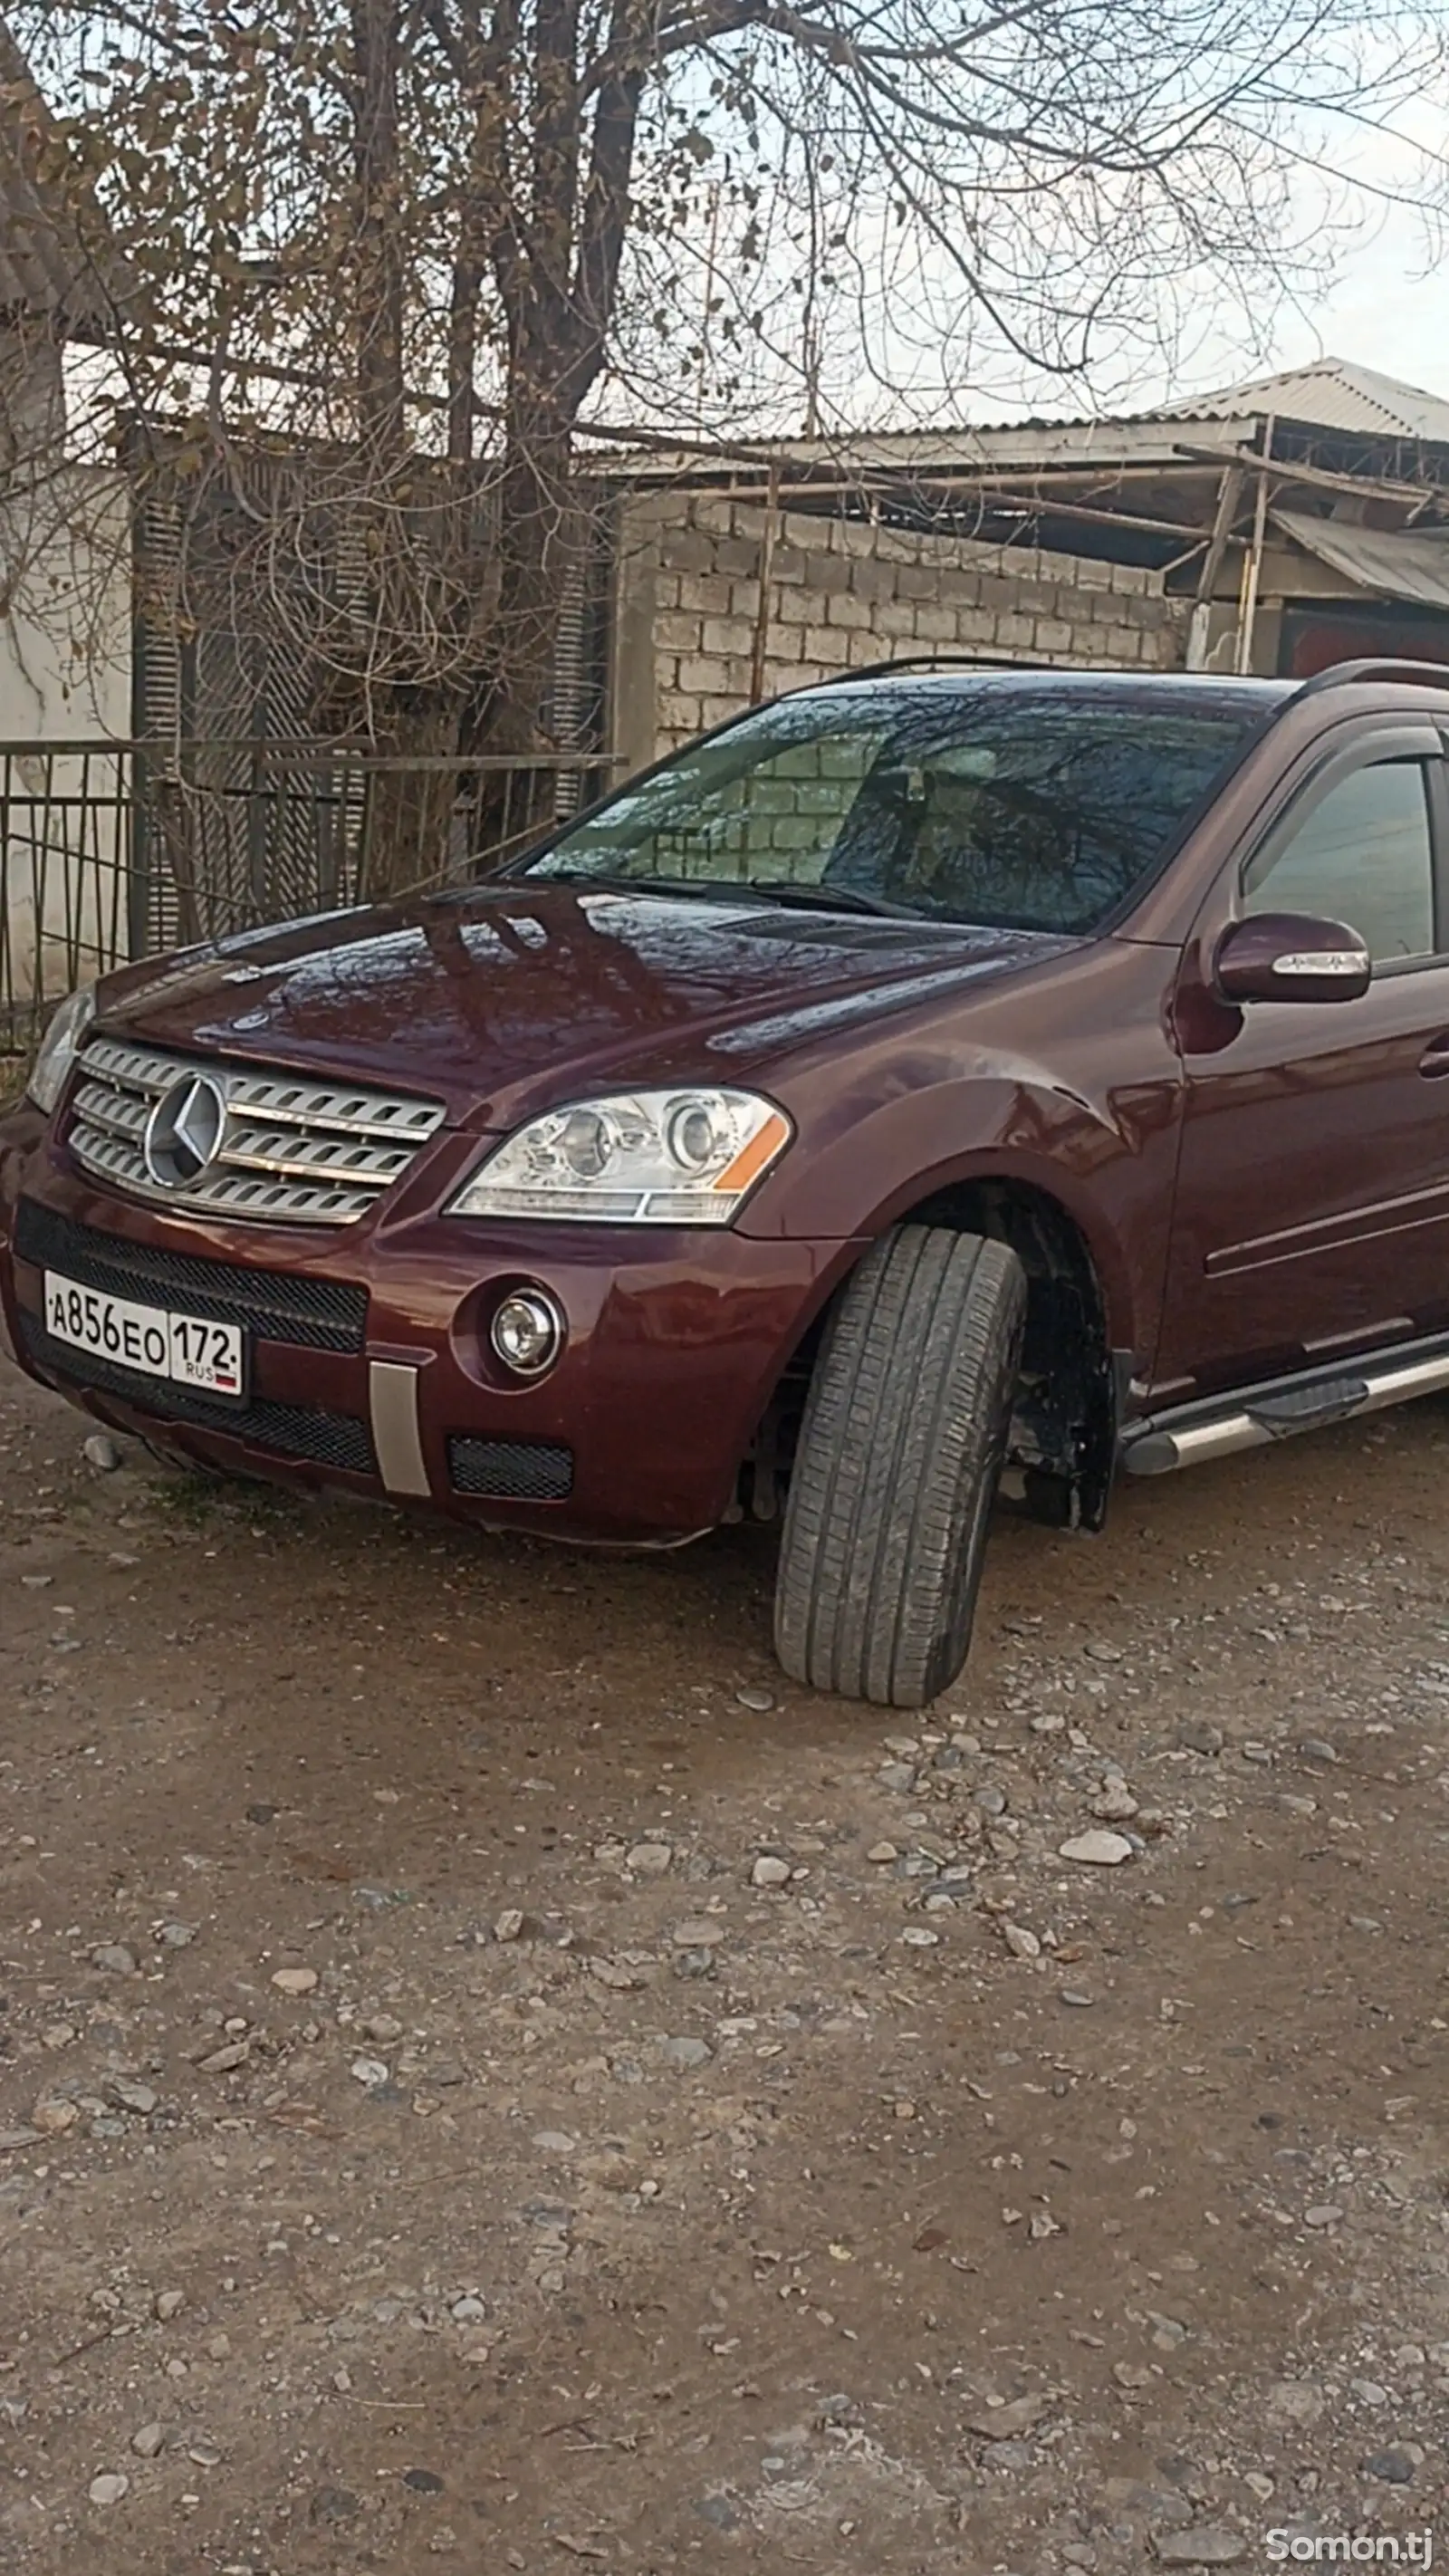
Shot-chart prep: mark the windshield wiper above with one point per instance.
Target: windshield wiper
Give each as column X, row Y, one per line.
column 782, row 890
column 827, row 898
column 702, row 889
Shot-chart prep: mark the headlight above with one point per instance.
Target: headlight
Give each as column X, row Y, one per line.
column 645, row 1158
column 59, row 1046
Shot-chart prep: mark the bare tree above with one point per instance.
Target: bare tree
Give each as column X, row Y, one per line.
column 422, row 240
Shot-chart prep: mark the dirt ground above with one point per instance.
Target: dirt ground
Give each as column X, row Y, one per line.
column 491, row 2071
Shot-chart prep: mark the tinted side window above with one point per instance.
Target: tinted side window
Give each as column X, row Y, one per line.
column 1364, row 855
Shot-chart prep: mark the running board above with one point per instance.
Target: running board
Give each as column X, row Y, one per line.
column 1194, row 1433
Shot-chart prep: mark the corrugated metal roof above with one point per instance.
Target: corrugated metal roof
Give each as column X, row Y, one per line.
column 1010, row 447
column 1331, row 393
column 1405, row 563
column 57, row 258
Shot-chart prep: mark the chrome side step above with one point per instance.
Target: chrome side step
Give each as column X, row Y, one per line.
column 1194, row 1433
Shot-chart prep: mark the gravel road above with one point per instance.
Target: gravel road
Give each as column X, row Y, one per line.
column 489, row 2070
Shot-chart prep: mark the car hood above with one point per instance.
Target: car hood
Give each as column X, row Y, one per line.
column 520, row 994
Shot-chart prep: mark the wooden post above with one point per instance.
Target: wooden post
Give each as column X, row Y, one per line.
column 1230, row 491
column 1252, row 569
column 762, row 613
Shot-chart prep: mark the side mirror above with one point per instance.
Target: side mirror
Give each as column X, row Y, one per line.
column 1291, row 957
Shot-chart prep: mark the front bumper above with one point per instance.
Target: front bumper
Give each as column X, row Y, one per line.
column 370, row 1366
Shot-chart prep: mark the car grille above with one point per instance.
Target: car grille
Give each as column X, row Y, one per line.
column 317, row 1314
column 512, row 1471
column 299, row 1152
column 295, row 1431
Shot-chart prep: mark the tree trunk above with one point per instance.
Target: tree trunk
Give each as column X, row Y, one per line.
column 377, row 281
column 537, row 545
column 410, row 834
column 409, row 809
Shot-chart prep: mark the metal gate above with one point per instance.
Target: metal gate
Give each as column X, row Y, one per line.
column 241, row 806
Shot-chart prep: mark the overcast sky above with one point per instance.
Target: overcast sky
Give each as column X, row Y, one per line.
column 1386, row 307
column 1385, row 312
column 1389, row 305
column 1366, row 200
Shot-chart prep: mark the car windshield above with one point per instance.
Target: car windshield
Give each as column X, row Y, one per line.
column 1037, row 808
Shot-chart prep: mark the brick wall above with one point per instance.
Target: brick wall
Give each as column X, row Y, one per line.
column 842, row 594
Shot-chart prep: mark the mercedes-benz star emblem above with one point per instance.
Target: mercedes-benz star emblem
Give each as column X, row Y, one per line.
column 183, row 1132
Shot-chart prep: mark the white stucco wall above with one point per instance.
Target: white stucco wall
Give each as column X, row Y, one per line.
column 65, row 680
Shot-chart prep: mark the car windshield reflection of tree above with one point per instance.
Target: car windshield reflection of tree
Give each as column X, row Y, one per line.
column 1037, row 810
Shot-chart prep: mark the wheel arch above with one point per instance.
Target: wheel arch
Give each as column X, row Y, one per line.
column 1064, row 1430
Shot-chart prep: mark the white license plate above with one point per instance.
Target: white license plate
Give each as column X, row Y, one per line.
column 149, row 1339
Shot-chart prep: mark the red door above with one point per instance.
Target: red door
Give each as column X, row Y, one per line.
column 1312, row 1211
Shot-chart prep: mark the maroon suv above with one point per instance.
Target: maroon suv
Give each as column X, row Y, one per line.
column 923, row 1075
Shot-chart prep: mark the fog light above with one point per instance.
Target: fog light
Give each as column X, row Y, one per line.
column 527, row 1332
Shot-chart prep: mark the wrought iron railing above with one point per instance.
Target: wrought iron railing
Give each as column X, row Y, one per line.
column 110, row 851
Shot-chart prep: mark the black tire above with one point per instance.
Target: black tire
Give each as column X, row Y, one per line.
column 898, row 1461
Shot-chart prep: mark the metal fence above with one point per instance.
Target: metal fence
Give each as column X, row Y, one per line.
column 110, row 851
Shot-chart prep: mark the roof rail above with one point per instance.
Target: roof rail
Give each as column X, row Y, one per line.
column 1337, row 675
column 1340, row 675
column 933, row 662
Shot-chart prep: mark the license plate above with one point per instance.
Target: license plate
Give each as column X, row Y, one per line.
column 149, row 1339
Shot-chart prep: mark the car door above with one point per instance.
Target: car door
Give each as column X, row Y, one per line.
column 1312, row 1207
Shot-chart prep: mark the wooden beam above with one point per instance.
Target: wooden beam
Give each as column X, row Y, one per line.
column 875, row 486
column 1288, row 470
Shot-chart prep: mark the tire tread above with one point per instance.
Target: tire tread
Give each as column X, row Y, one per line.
column 898, row 1458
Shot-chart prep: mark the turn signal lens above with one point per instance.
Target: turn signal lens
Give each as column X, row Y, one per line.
column 59, row 1048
